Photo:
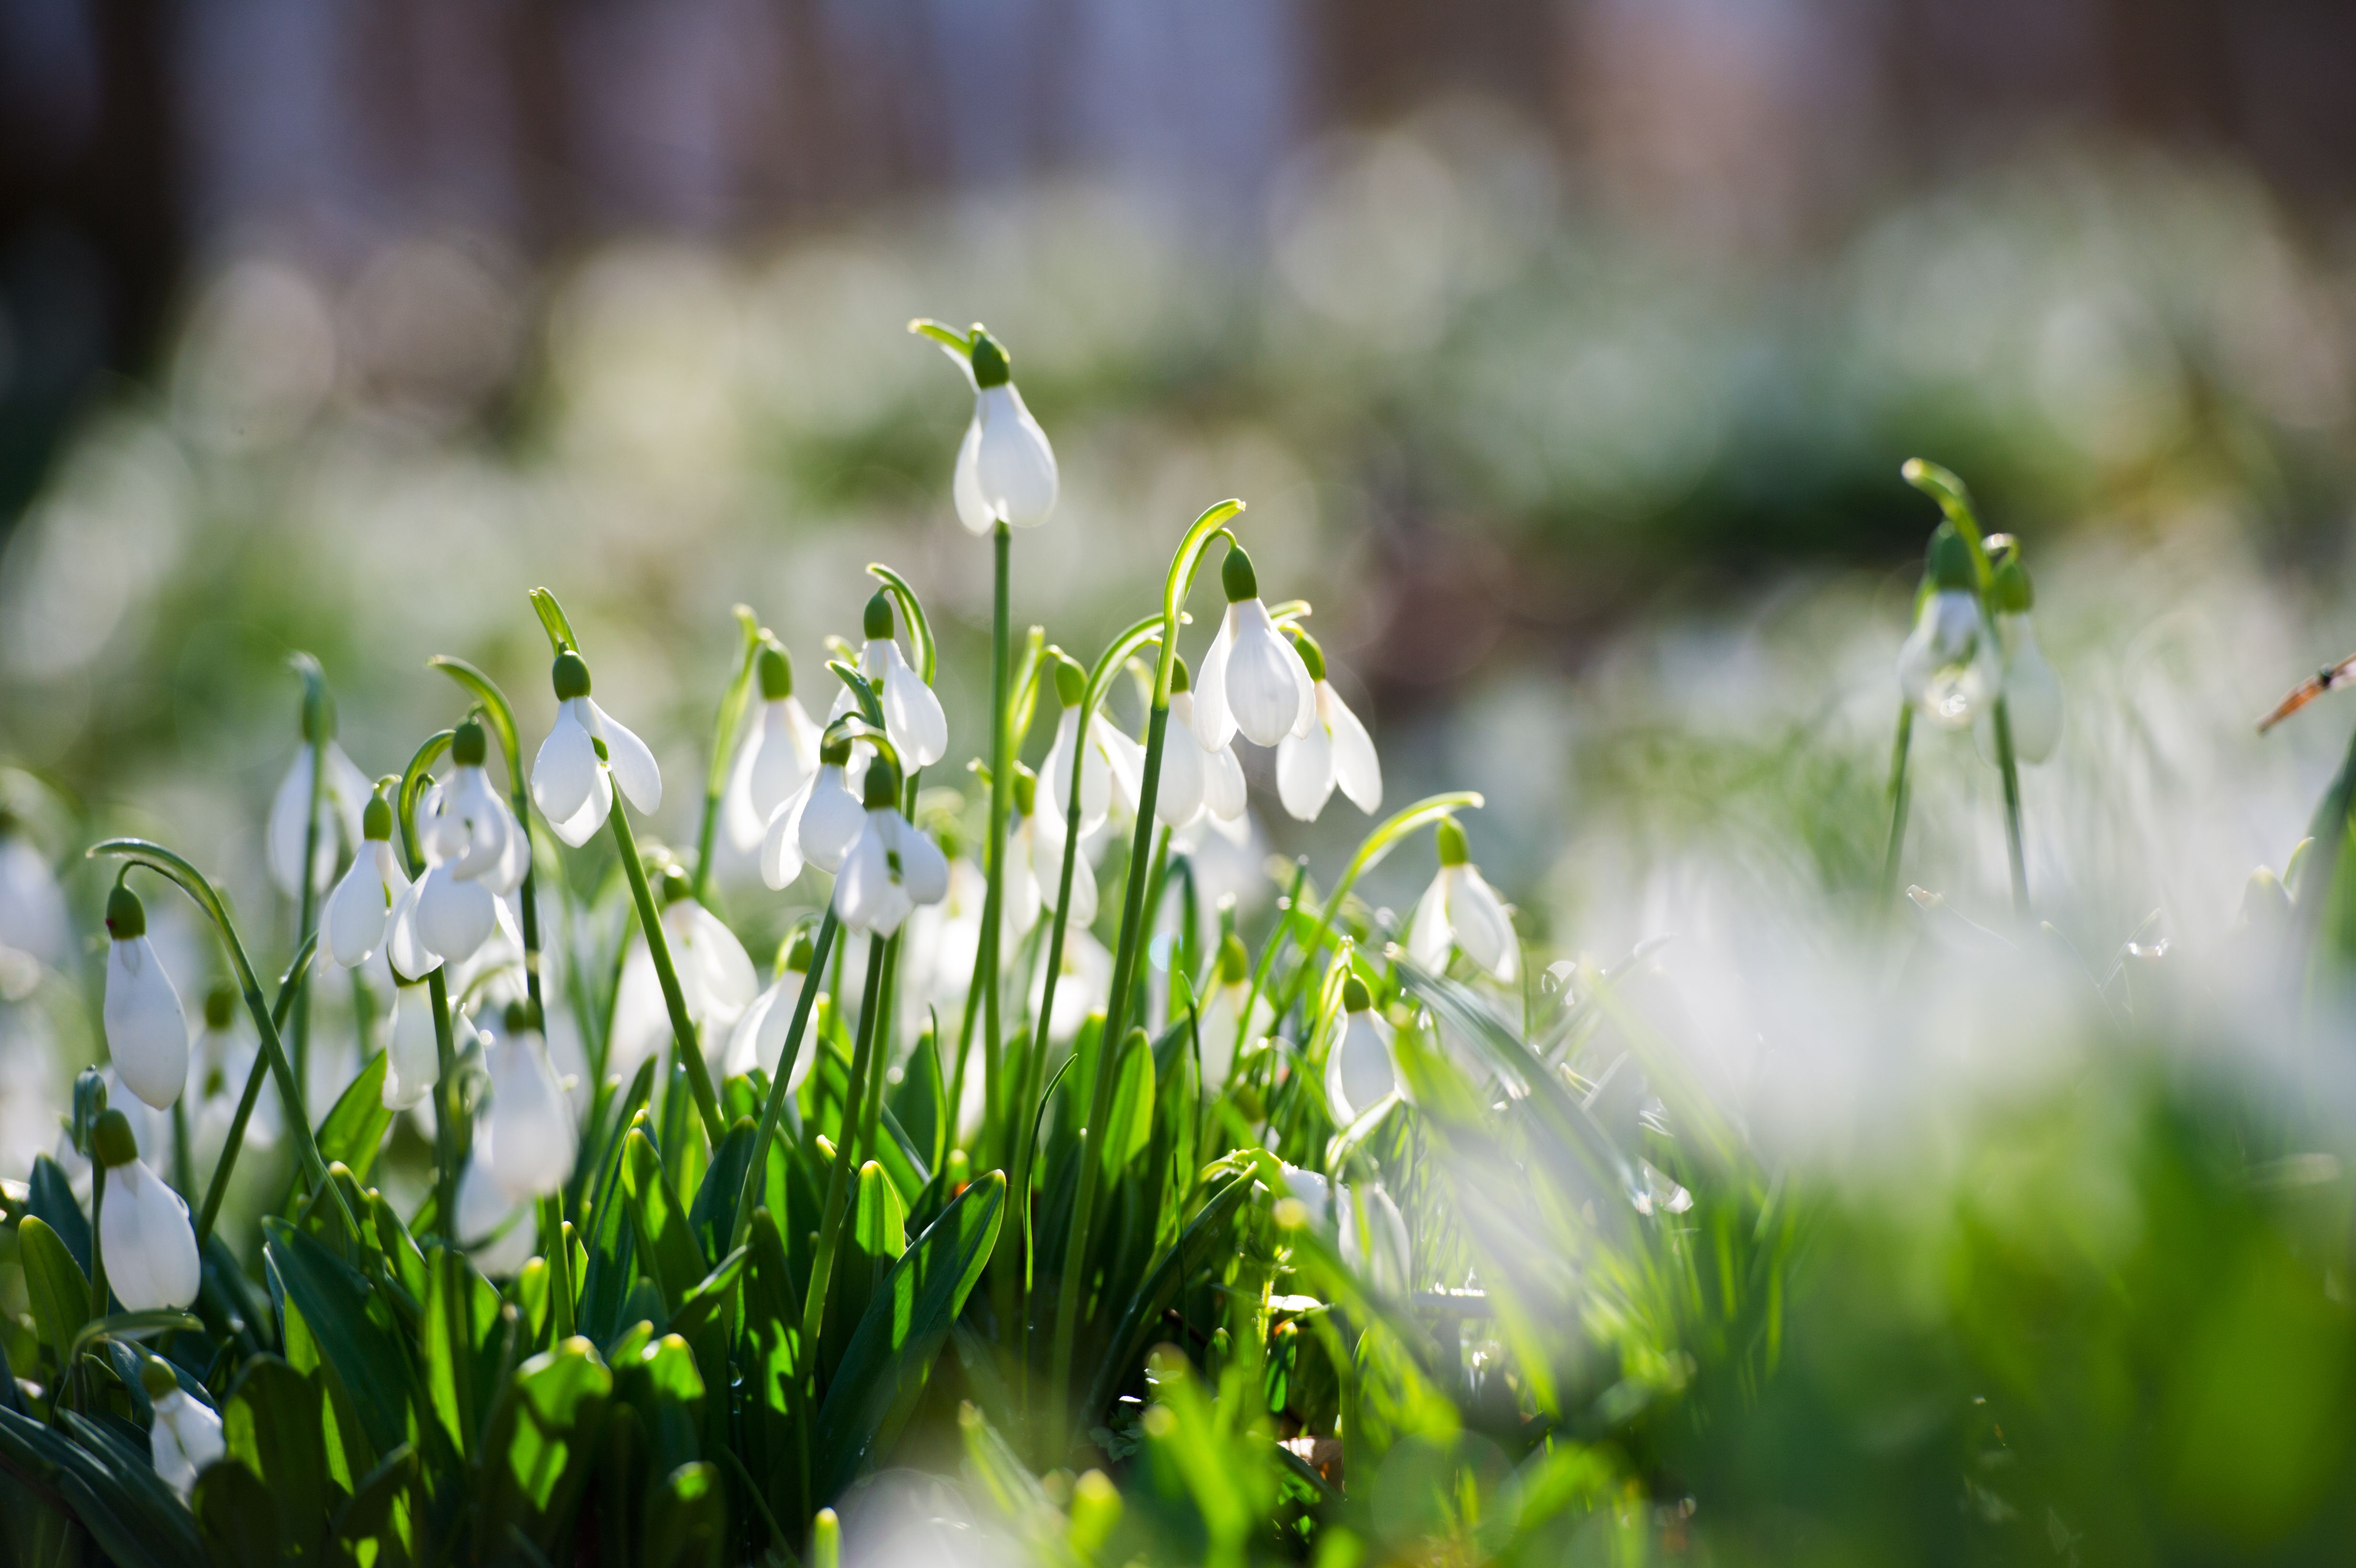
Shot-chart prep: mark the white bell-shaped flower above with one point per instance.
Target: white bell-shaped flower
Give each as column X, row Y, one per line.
column 494, row 1225
column 817, row 824
column 894, row 867
column 1112, row 765
column 2033, row 694
column 185, row 1435
column 33, row 918
column 1005, row 468
column 413, row 1049
column 943, row 940
column 1362, row 1223
column 1040, row 848
column 146, row 1031
column 778, row 753
column 913, row 719
column 1461, row 910
column 525, row 1142
column 143, row 1226
column 1947, row 666
column 586, row 756
column 759, row 1038
column 716, row 979
column 1252, row 679
column 1198, row 779
column 1359, row 1072
column 1081, row 985
column 343, row 794
column 363, row 901
column 1336, row 749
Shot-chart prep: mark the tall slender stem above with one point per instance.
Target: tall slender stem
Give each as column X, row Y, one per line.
column 773, row 1111
column 1900, row 751
column 993, row 902
column 558, row 1252
column 97, row 1237
column 307, row 905
column 235, row 1142
column 682, row 1027
column 838, row 1187
column 447, row 1112
column 2006, row 765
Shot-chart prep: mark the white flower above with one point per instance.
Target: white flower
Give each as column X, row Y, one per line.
column 759, row 1037
column 1335, row 750
column 779, row 751
column 149, row 1246
column 1037, row 862
column 1252, row 679
column 1112, row 766
column 525, row 1143
column 893, row 868
column 343, row 792
column 32, row 919
column 937, row 954
column 1359, row 1072
column 1946, row 667
column 2032, row 695
column 716, row 979
column 1460, row 910
column 1081, row 986
column 913, row 719
column 363, row 901
column 1005, row 468
column 146, row 1031
column 413, row 1062
column 1197, row 778
column 818, row 823
column 571, row 782
column 493, row 1225
column 218, row 1064
column 1223, row 1012
column 1364, row 1225
column 185, row 1435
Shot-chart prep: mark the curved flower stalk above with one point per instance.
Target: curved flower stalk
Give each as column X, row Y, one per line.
column 817, row 824
column 362, row 903
column 1359, row 1072
column 1460, row 910
column 584, row 756
column 143, row 1225
column 716, row 977
column 1198, row 779
column 185, row 1435
column 1947, row 665
column 1005, row 467
column 146, row 1030
column 525, row 1143
column 778, row 754
column 913, row 718
column 1334, row 748
column 1252, row 679
column 759, row 1038
column 892, row 867
column 2033, row 694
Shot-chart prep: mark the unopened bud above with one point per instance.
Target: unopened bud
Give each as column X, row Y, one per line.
column 113, row 1141
column 376, row 818
column 126, row 917
column 1234, row 964
column 777, row 672
column 569, row 676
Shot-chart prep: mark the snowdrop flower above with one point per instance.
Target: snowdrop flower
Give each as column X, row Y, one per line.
column 1253, row 680
column 525, row 1144
column 1005, row 469
column 584, row 756
column 716, row 979
column 150, row 1130
column 894, row 866
column 1223, row 1009
column 943, row 939
column 913, row 719
column 817, row 824
column 778, row 753
column 143, row 1225
column 1034, row 861
column 1082, row 985
column 32, row 919
column 1946, row 667
column 1111, row 763
column 1359, row 1073
column 218, row 1065
column 492, row 1223
column 2032, row 695
column 343, row 792
column 479, row 853
column 759, row 1037
column 1197, row 778
column 1335, row 750
column 413, row 1048
column 1364, row 1225
column 1460, row 910
column 146, row 1031
column 363, row 901
column 187, row 1434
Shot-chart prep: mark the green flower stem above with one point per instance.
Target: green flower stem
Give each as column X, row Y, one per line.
column 725, row 727
column 447, row 1113
column 993, row 901
column 773, row 1109
column 2012, row 771
column 183, row 1171
column 97, row 1237
column 682, row 1027
column 314, row 706
column 192, row 883
column 1900, row 750
column 235, row 1143
column 838, row 1188
column 503, row 724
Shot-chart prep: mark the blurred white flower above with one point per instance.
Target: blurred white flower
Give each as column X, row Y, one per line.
column 817, row 824
column 413, row 1048
column 526, row 1142
column 716, row 979
column 1005, row 467
column 759, row 1038
column 33, row 920
column 1197, row 778
column 1112, row 767
column 343, row 794
column 146, row 1031
column 2033, row 694
column 1362, row 1223
column 1082, row 985
column 1252, row 679
column 218, row 1065
column 913, row 719
column 586, row 754
column 778, row 753
column 185, row 1435
column 1460, row 910
column 494, row 1226
column 363, row 901
column 1946, row 667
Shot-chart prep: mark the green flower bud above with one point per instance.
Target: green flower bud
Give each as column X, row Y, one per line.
column 126, row 917
column 376, row 818
column 522, row 1016
column 1310, row 654
column 675, row 886
column 1235, row 575
column 221, row 1007
column 1450, row 839
column 2013, row 592
column 1950, row 564
column 113, row 1141
column 1071, row 683
column 1234, row 964
column 882, row 784
column 570, row 675
column 990, row 365
column 776, row 671
column 878, row 619
column 1356, row 999
column 802, row 953
column 469, row 746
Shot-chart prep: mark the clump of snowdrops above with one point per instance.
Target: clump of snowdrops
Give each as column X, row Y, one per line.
column 1345, row 1234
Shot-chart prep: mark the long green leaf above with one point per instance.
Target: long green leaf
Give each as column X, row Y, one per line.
column 352, row 1325
column 354, row 1130
column 60, row 1291
column 666, row 1243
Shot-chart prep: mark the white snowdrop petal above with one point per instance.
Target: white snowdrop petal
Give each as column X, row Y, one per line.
column 454, row 916
column 1356, row 767
column 1215, row 725
column 831, row 821
column 146, row 1030
column 289, row 814
column 1022, row 893
column 924, row 869
column 184, row 1438
column 1223, row 785
column 781, row 841
column 627, row 759
column 565, row 770
column 965, row 486
column 356, row 912
column 1304, row 772
column 151, row 1249
column 1483, row 928
column 1264, row 677
column 1178, row 796
column 1015, row 466
column 729, row 981
column 413, row 1054
column 403, row 946
column 1359, row 1073
column 529, row 1150
column 1124, row 759
column 1429, row 936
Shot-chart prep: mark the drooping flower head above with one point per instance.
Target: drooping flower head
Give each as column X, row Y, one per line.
column 1334, row 748
column 818, row 823
column 143, row 1225
column 478, row 851
column 759, row 1037
column 341, row 792
column 1947, row 666
column 1252, row 679
column 34, row 923
column 1112, row 765
column 363, row 901
column 913, row 719
column 146, row 1030
column 525, row 1143
column 185, row 1435
column 1197, row 778
column 2032, row 693
column 1005, row 467
column 586, row 756
column 892, row 867
column 413, row 1051
column 1359, row 1072
column 716, row 979
column 1460, row 909
column 778, row 753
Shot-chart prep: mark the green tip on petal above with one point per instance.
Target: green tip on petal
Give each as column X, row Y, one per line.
column 1310, row 654
column 570, row 675
column 1071, row 684
column 1450, row 837
column 1949, row 566
column 113, row 1141
column 1355, row 998
column 1235, row 575
column 990, row 365
column 126, row 917
column 221, row 1007
column 882, row 784
column 878, row 619
column 468, row 747
column 376, row 819
column 777, row 672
